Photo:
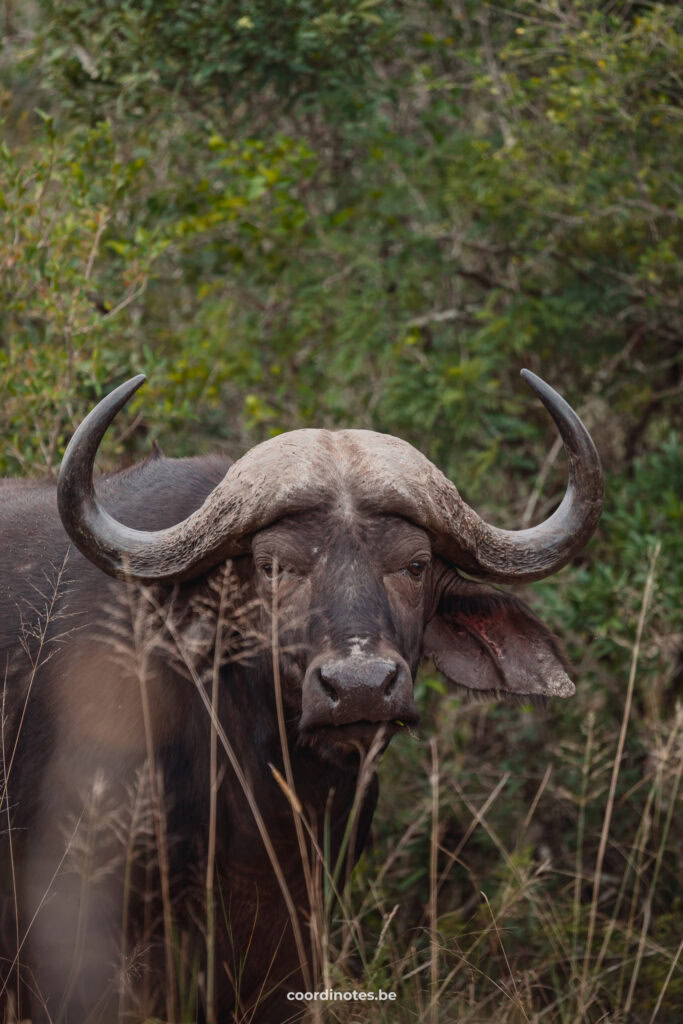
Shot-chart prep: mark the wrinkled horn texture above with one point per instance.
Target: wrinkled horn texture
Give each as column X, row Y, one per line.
column 305, row 469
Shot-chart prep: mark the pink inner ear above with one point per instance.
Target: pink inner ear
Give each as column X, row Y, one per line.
column 463, row 655
column 504, row 648
column 480, row 624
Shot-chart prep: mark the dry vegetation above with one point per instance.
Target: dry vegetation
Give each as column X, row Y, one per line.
column 490, row 893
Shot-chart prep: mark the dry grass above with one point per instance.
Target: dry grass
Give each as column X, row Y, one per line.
column 468, row 907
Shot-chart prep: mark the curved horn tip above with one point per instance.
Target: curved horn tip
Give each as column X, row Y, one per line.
column 557, row 406
column 115, row 401
column 107, row 408
column 81, row 450
column 92, row 429
column 128, row 388
column 537, row 384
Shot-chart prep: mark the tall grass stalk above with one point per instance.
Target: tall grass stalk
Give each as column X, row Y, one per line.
column 645, row 603
column 524, row 884
column 647, row 910
column 86, row 872
column 434, row 884
column 44, row 898
column 315, row 923
column 580, row 832
column 244, row 785
column 129, row 860
column 141, row 640
column 517, row 999
column 636, row 863
column 44, row 619
column 213, row 798
column 665, row 985
column 10, row 842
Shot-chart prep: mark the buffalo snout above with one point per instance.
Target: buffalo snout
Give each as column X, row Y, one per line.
column 359, row 688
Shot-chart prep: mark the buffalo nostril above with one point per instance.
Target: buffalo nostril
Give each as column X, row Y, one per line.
column 390, row 681
column 360, row 688
column 327, row 687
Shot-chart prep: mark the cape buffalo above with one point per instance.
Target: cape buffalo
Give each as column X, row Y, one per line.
column 201, row 662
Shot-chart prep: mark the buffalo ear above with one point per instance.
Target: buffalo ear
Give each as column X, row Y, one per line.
column 485, row 639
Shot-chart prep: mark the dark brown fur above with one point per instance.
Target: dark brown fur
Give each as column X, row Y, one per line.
column 72, row 643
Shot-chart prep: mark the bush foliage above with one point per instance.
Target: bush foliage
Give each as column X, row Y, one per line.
column 373, row 213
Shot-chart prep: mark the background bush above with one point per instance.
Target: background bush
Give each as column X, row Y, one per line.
column 372, row 213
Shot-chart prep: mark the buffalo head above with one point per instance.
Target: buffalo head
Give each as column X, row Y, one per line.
column 357, row 542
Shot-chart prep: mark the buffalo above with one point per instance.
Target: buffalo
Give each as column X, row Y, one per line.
column 201, row 664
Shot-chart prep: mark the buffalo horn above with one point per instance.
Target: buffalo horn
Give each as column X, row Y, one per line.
column 307, row 469
column 532, row 554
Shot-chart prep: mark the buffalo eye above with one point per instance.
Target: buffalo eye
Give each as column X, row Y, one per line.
column 417, row 568
column 275, row 571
